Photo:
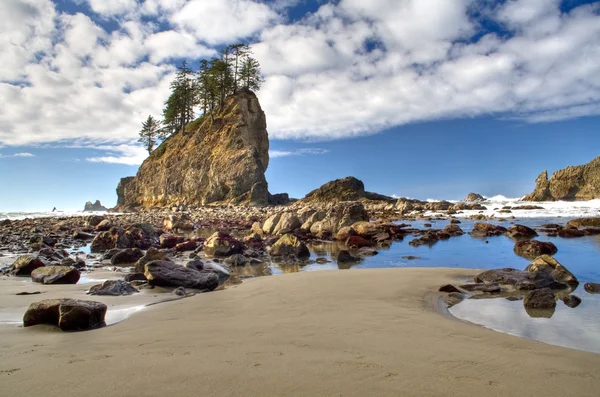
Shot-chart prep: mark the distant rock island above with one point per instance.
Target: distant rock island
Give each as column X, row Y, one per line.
column 575, row 183
column 96, row 206
column 220, row 158
column 345, row 189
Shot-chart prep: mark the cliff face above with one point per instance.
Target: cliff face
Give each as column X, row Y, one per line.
column 577, row 183
column 218, row 160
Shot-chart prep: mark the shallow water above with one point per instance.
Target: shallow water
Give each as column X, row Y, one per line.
column 576, row 328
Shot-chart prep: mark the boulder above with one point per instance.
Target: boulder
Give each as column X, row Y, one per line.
column 236, row 260
column 288, row 245
column 453, row 230
column 179, row 222
column 104, row 226
column 151, row 255
column 592, row 288
column 339, row 216
column 67, row 314
column 358, row 242
column 532, row 248
column 448, row 288
column 487, row 230
column 55, row 275
column 222, row 244
column 169, row 274
column 551, row 267
column 271, row 223
column 80, row 235
column 570, row 232
column 474, row 197
column 218, row 159
column 346, row 189
column 168, row 240
column 571, row 301
column 345, row 257
column 540, row 299
column 584, row 222
column 113, row 288
column 366, row 229
column 189, row 245
column 126, row 256
column 93, row 220
column 139, row 235
column 24, row 265
column 219, row 270
column 521, row 232
column 520, row 280
column 287, row 224
column 344, row 233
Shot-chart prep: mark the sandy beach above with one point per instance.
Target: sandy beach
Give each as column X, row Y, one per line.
column 348, row 333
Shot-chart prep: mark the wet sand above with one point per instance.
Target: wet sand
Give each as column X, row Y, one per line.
column 339, row 333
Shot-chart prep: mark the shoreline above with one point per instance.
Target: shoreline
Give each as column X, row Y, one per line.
column 250, row 339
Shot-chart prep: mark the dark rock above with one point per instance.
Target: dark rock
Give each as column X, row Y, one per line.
column 358, row 242
column 532, row 248
column 28, row 293
column 519, row 279
column 487, row 230
column 448, row 288
column 236, row 260
column 169, row 274
column 97, row 206
column 344, row 256
column 570, row 233
column 67, row 314
column 490, row 288
column 79, row 235
column 540, row 299
column 521, row 232
column 179, row 291
column 219, row 270
column 24, row 265
column 55, row 275
column 93, row 220
column 411, row 257
column 453, row 230
column 170, row 240
column 113, row 288
column 429, row 238
column 592, row 288
column 584, row 222
column 186, row 246
column 572, row 301
column 134, row 277
column 104, row 226
column 127, row 256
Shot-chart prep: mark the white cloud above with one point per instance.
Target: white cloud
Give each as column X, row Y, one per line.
column 297, row 152
column 23, row 154
column 351, row 68
column 223, row 21
column 120, row 154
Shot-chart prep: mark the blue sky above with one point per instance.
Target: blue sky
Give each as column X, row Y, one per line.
column 424, row 99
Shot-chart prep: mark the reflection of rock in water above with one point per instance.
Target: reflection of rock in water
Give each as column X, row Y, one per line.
column 539, row 313
column 258, row 270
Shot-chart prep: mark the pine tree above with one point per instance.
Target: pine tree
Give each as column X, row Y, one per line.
column 149, row 133
column 250, row 74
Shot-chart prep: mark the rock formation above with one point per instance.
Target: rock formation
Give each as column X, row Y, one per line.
column 577, row 183
column 346, row 189
column 218, row 159
column 474, row 197
column 96, row 206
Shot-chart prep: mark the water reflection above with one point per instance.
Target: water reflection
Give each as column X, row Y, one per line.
column 569, row 327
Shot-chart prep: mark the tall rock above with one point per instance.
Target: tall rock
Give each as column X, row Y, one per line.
column 575, row 183
column 219, row 159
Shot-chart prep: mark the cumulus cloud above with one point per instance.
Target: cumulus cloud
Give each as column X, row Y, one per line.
column 298, row 152
column 351, row 68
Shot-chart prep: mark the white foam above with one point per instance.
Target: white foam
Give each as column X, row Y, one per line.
column 48, row 214
column 551, row 209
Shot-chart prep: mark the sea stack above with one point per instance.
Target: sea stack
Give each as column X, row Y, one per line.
column 219, row 158
column 576, row 183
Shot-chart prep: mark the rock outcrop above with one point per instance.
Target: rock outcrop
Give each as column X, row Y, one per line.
column 346, row 189
column 576, row 183
column 474, row 197
column 218, row 159
column 96, row 206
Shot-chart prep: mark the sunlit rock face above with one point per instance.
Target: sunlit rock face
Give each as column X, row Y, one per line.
column 219, row 159
column 577, row 183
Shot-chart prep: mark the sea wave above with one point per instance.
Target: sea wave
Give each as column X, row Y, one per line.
column 46, row 214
